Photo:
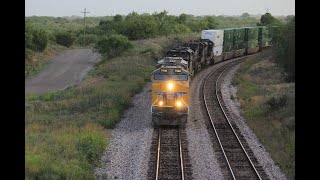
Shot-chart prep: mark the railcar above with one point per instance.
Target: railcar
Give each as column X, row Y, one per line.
column 170, row 80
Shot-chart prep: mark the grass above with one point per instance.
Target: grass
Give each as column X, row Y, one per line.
column 67, row 131
column 268, row 105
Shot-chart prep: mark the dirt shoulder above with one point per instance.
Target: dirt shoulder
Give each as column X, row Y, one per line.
column 66, row 69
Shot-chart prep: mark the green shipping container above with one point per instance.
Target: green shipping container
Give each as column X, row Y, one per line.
column 227, row 47
column 239, row 35
column 228, row 40
column 228, row 36
column 264, row 37
column 251, row 37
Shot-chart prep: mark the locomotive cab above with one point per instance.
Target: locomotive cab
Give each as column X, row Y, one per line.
column 170, row 88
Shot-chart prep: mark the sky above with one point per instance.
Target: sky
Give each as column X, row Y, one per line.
column 59, row 8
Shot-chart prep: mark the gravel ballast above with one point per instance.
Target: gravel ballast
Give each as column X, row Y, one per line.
column 128, row 153
column 202, row 156
column 263, row 157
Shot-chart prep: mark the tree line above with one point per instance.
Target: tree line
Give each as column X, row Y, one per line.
column 111, row 35
column 283, row 42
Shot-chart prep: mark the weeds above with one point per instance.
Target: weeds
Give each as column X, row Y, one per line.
column 67, row 131
column 268, row 105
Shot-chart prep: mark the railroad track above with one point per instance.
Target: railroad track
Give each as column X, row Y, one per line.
column 235, row 157
column 168, row 154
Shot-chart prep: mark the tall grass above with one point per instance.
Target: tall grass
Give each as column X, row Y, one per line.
column 67, row 131
column 268, row 104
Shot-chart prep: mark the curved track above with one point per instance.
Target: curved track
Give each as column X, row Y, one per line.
column 239, row 161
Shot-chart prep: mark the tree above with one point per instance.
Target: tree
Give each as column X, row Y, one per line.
column 28, row 35
column 113, row 45
column 182, row 18
column 36, row 39
column 139, row 27
column 65, row 38
column 284, row 48
column 39, row 40
column 245, row 15
column 117, row 18
column 161, row 18
column 211, row 22
column 268, row 19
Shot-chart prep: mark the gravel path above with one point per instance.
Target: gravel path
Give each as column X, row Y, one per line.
column 66, row 69
column 128, row 151
column 264, row 158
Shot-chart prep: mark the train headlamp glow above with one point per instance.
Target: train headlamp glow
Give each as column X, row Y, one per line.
column 160, row 103
column 178, row 103
column 170, row 86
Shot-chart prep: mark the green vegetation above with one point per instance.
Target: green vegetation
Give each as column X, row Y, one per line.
column 36, row 39
column 113, row 45
column 268, row 19
column 65, row 39
column 67, row 131
column 284, row 46
column 42, row 32
column 268, row 104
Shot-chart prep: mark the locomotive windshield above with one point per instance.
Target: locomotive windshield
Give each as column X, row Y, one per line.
column 179, row 77
column 175, row 77
column 161, row 76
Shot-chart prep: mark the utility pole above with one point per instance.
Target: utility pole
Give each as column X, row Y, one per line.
column 267, row 9
column 84, row 29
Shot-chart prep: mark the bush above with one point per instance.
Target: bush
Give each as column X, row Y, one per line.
column 275, row 103
column 113, row 45
column 39, row 40
column 89, row 39
column 35, row 39
column 284, row 45
column 65, row 39
column 28, row 36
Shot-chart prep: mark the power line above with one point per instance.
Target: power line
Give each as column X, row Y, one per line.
column 84, row 29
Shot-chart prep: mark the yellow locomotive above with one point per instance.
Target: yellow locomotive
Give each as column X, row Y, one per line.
column 170, row 90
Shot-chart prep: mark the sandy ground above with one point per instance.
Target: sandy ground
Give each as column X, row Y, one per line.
column 66, row 69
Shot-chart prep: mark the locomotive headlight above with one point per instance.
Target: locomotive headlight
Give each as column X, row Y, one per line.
column 160, row 103
column 178, row 103
column 170, row 86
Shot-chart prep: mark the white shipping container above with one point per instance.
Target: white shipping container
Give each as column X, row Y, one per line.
column 214, row 35
column 217, row 50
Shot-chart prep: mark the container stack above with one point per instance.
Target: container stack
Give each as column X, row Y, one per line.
column 239, row 38
column 252, row 37
column 215, row 36
column 228, row 40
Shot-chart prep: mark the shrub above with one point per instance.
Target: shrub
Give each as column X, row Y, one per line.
column 113, row 45
column 35, row 39
column 39, row 40
column 65, row 39
column 284, row 45
column 89, row 39
column 275, row 103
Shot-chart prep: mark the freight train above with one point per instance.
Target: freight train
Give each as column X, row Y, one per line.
column 170, row 80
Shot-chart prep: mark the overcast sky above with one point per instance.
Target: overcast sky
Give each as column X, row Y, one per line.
column 175, row 7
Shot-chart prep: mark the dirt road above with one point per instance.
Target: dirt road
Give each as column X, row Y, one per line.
column 66, row 69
